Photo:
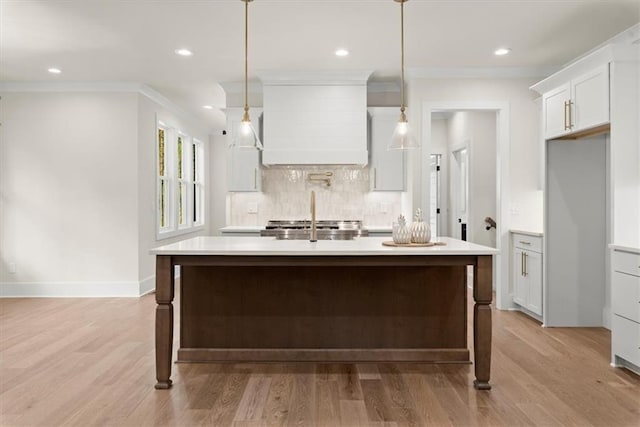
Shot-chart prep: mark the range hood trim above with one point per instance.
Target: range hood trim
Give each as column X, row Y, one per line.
column 314, row 78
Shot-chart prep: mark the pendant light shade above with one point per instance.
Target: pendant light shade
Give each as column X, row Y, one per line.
column 402, row 138
column 246, row 136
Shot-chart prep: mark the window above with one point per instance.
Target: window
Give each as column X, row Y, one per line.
column 180, row 182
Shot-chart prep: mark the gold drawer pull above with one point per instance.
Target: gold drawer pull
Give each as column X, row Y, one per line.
column 525, row 243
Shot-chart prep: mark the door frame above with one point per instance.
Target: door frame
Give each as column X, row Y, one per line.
column 501, row 278
column 456, row 187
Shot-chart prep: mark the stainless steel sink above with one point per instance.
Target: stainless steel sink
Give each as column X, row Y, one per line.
column 322, row 234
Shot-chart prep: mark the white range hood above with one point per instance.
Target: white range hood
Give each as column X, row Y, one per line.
column 315, row 118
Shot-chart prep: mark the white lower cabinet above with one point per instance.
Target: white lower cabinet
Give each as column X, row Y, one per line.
column 625, row 305
column 527, row 271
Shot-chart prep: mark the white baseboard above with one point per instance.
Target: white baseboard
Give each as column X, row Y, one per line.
column 606, row 317
column 147, row 285
column 77, row 289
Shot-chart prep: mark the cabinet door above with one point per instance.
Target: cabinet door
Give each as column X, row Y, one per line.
column 555, row 111
column 243, row 164
column 387, row 166
column 590, row 95
column 244, row 170
column 520, row 282
column 533, row 271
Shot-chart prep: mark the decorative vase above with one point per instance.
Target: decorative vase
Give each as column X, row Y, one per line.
column 401, row 233
column 420, row 230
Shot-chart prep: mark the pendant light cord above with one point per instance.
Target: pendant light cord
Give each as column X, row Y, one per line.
column 246, row 49
column 402, row 56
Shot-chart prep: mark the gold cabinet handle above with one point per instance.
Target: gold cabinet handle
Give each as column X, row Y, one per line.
column 255, row 178
column 522, row 263
column 566, row 125
column 525, row 263
column 375, row 178
column 525, row 243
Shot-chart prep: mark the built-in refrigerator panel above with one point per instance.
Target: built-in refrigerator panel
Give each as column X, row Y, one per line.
column 576, row 231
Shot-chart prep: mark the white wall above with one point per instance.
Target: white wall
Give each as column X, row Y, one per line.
column 77, row 192
column 68, row 185
column 524, row 144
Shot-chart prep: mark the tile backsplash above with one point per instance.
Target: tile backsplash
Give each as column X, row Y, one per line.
column 286, row 193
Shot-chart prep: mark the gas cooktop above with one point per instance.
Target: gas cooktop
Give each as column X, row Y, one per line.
column 323, row 224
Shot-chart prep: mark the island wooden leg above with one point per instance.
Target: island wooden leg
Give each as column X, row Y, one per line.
column 164, row 320
column 482, row 295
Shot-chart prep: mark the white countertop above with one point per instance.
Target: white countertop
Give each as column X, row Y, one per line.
column 625, row 248
column 269, row 246
column 528, row 232
column 242, row 229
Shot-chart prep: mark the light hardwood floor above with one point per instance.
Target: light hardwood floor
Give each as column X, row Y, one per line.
column 85, row 362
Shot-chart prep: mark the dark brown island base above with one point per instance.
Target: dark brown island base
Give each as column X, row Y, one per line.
column 257, row 299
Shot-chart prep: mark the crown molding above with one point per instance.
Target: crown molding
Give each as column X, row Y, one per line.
column 629, row 36
column 605, row 54
column 480, row 72
column 70, row 87
column 106, row 87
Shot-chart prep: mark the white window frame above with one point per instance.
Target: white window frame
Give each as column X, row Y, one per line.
column 173, row 182
column 198, row 185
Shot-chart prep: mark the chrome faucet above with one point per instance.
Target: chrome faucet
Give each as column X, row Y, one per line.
column 314, row 232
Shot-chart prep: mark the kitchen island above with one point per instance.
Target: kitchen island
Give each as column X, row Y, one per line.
column 262, row 299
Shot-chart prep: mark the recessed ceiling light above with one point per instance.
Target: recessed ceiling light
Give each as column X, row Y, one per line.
column 207, row 107
column 183, row 52
column 342, row 52
column 501, row 51
column 54, row 70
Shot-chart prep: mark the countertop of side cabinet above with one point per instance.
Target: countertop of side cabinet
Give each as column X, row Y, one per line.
column 622, row 248
column 242, row 229
column 528, row 232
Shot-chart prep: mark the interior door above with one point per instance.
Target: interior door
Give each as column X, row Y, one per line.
column 434, row 203
column 460, row 178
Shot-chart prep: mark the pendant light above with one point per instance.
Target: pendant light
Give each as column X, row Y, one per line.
column 402, row 138
column 246, row 137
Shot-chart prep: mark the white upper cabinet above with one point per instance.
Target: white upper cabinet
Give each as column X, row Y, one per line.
column 590, row 94
column 315, row 121
column 387, row 166
column 555, row 111
column 578, row 105
column 243, row 164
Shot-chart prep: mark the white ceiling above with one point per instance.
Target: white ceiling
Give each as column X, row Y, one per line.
column 134, row 40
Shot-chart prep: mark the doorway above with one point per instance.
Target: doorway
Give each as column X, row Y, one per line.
column 463, row 165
